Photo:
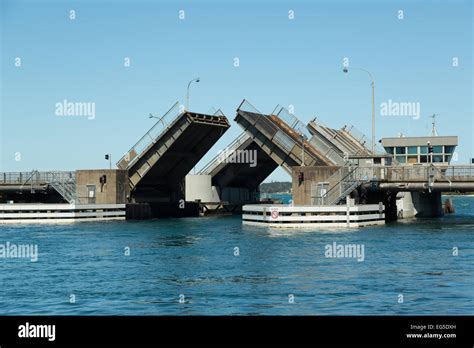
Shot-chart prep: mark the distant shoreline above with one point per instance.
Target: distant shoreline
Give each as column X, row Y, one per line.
column 467, row 194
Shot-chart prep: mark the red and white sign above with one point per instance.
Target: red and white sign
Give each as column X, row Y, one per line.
column 275, row 214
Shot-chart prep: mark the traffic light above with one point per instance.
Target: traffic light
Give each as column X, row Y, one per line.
column 107, row 156
column 103, row 179
column 300, row 178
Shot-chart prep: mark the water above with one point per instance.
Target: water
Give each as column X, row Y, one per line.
column 281, row 197
column 195, row 258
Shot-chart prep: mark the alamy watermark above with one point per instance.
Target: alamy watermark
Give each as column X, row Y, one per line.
column 393, row 108
column 335, row 250
column 19, row 251
column 68, row 108
column 28, row 330
column 238, row 156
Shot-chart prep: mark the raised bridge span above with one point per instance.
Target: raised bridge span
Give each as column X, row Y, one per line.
column 280, row 135
column 272, row 140
column 158, row 163
column 237, row 181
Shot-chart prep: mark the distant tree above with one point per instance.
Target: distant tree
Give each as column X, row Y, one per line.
column 275, row 187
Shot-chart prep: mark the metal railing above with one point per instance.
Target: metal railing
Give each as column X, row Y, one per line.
column 341, row 184
column 273, row 132
column 421, row 172
column 64, row 182
column 150, row 137
column 333, row 153
column 12, row 178
column 396, row 173
column 229, row 149
column 327, row 151
column 357, row 135
column 35, row 176
column 363, row 140
column 212, row 111
column 347, row 178
column 459, row 171
column 291, row 120
column 340, row 139
column 65, row 185
column 276, row 134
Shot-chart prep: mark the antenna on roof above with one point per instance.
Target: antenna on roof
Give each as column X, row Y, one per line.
column 434, row 132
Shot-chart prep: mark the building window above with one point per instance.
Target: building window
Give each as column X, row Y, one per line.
column 438, row 149
column 389, row 150
column 447, row 158
column 412, row 150
column 437, row 158
column 401, row 159
column 423, row 149
column 423, row 159
column 412, row 159
column 401, row 150
column 449, row 149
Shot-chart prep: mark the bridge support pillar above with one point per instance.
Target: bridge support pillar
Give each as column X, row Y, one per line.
column 419, row 204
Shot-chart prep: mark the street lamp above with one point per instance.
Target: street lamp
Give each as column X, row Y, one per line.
column 158, row 118
column 187, row 91
column 346, row 70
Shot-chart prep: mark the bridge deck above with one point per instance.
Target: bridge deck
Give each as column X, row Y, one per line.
column 233, row 168
column 341, row 140
column 277, row 139
column 159, row 162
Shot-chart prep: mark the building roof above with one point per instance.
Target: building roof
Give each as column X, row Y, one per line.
column 420, row 141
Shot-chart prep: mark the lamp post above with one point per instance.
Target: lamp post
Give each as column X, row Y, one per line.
column 187, row 91
column 158, row 118
column 346, row 70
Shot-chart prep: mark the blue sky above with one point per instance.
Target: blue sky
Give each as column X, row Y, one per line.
column 289, row 62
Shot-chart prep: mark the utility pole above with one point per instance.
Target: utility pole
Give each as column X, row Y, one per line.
column 346, row 70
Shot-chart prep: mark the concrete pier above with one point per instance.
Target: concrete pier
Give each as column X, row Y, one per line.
column 406, row 191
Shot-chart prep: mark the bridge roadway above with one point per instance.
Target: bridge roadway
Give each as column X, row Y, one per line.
column 280, row 140
column 158, row 163
column 232, row 171
column 272, row 140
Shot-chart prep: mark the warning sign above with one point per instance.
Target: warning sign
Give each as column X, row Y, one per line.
column 275, row 214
